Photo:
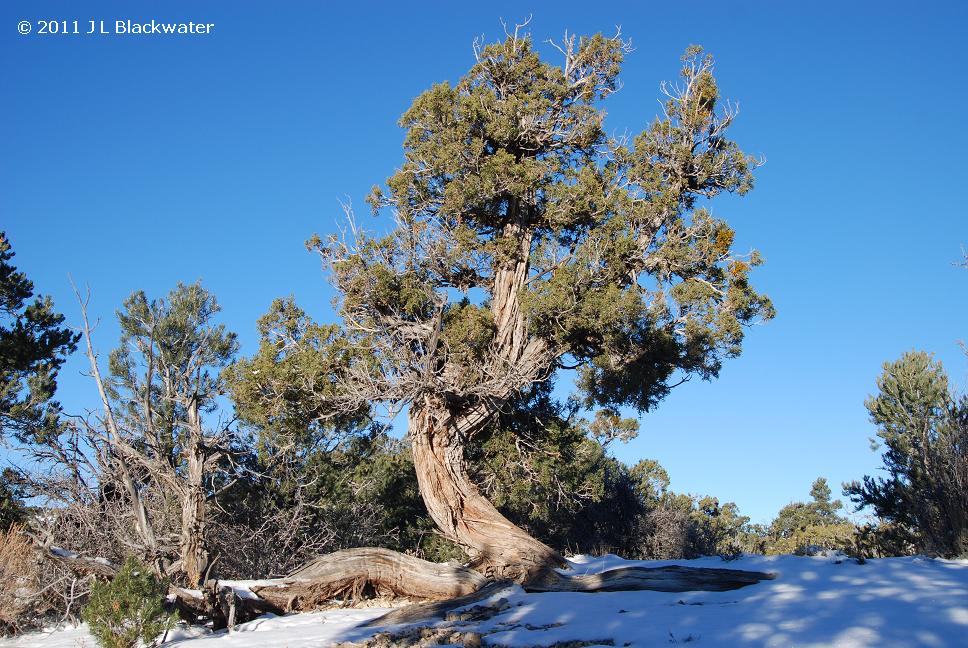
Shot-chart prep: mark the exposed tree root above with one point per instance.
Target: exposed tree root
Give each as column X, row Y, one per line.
column 355, row 573
column 674, row 578
column 420, row 612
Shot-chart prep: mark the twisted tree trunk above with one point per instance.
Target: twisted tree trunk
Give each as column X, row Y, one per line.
column 497, row 547
column 194, row 558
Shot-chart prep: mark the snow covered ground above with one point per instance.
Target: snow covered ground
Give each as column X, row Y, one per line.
column 814, row 601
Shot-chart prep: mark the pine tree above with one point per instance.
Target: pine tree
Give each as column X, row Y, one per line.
column 923, row 427
column 129, row 610
column 803, row 526
column 33, row 346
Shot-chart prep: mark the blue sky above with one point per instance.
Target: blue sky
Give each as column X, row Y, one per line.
column 137, row 162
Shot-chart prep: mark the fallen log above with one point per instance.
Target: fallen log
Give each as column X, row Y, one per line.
column 368, row 571
column 78, row 564
column 673, row 578
column 420, row 612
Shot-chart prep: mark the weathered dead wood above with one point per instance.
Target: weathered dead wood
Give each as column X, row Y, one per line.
column 76, row 563
column 419, row 612
column 358, row 573
column 354, row 573
column 497, row 547
column 191, row 605
column 673, row 578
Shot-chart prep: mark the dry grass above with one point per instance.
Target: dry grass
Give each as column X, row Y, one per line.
column 19, row 581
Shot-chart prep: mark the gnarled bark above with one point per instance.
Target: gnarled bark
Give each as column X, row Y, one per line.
column 194, row 557
column 439, row 431
column 497, row 547
column 352, row 573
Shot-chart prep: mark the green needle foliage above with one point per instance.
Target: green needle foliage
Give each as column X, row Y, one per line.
column 128, row 609
column 923, row 427
column 33, row 346
column 802, row 527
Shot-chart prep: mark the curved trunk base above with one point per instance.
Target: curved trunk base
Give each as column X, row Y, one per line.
column 369, row 571
column 497, row 547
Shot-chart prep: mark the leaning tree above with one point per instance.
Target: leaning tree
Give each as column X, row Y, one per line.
column 528, row 241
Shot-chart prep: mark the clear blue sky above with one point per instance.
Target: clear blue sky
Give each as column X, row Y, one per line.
column 136, row 162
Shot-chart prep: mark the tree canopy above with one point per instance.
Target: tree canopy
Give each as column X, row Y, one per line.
column 527, row 239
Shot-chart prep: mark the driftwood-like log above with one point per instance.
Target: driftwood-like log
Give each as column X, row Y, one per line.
column 366, row 572
column 420, row 612
column 355, row 573
column 190, row 605
column 674, row 578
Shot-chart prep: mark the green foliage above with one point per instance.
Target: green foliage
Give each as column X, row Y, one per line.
column 538, row 466
column 623, row 277
column 286, row 388
column 651, row 480
column 802, row 527
column 923, row 427
column 33, row 346
column 799, row 515
column 170, row 349
column 719, row 527
column 12, row 510
column 883, row 540
column 128, row 609
column 327, row 479
column 319, row 479
column 675, row 525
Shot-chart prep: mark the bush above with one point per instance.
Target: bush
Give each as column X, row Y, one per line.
column 129, row 608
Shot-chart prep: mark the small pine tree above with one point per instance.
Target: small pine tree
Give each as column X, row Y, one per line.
column 806, row 527
column 923, row 426
column 129, row 608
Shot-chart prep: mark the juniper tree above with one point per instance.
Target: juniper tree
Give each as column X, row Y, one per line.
column 526, row 241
